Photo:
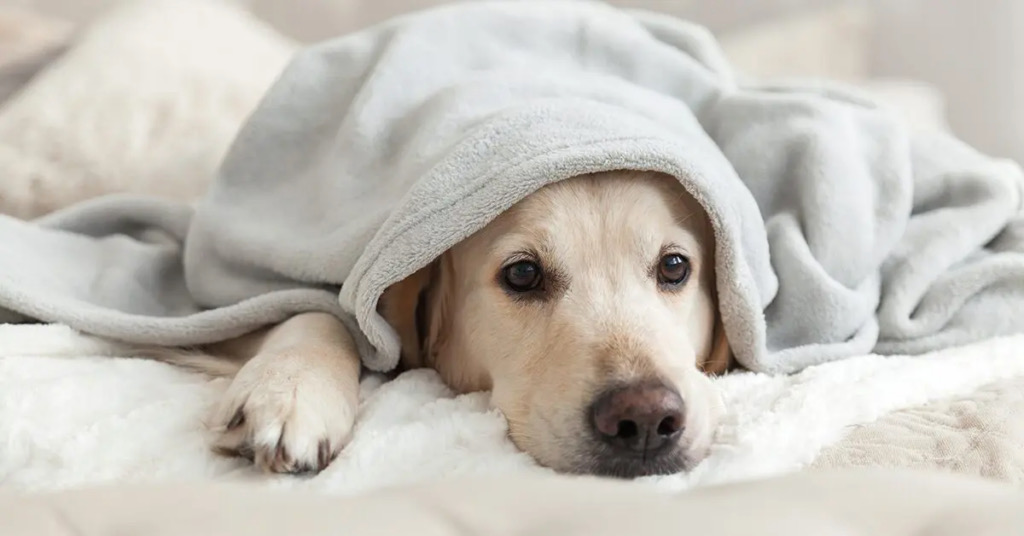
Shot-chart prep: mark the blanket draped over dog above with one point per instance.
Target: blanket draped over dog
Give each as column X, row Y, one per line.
column 838, row 233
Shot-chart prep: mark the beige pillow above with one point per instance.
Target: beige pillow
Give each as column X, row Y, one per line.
column 24, row 34
column 831, row 43
column 28, row 42
column 146, row 100
column 825, row 43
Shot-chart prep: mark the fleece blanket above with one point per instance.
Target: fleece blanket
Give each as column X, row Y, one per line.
column 837, row 232
column 72, row 414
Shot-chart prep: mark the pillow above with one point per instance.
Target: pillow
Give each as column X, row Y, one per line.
column 28, row 42
column 146, row 100
column 24, row 34
column 824, row 43
column 832, row 44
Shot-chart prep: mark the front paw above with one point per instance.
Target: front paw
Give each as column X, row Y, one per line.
column 285, row 415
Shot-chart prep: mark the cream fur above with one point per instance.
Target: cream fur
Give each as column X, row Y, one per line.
column 602, row 320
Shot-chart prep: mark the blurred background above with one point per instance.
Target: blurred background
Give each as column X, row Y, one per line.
column 955, row 63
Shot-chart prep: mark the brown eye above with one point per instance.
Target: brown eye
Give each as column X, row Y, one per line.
column 673, row 270
column 522, row 276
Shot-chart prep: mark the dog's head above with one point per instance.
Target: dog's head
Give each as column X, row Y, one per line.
column 589, row 309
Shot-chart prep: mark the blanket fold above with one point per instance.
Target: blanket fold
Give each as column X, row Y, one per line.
column 837, row 232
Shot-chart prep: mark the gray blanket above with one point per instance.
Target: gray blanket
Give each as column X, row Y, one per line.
column 837, row 232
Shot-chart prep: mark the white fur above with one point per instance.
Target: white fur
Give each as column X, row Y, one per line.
column 288, row 403
column 71, row 421
column 146, row 100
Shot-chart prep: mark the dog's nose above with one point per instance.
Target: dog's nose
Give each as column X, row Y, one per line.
column 640, row 418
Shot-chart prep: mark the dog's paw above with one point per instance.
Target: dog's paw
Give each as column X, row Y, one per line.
column 287, row 413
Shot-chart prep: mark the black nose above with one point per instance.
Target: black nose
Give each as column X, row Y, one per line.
column 640, row 418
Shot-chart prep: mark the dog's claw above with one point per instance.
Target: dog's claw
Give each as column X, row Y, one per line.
column 324, row 456
column 277, row 458
column 281, row 427
column 281, row 462
column 237, row 420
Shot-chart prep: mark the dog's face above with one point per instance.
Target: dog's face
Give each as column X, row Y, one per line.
column 589, row 310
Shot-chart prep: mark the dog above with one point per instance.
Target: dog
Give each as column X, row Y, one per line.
column 588, row 309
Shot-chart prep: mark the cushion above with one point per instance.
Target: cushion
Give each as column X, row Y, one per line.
column 119, row 112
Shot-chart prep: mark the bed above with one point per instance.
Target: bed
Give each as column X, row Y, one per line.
column 76, row 413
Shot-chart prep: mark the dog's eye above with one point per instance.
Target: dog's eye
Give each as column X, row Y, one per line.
column 673, row 270
column 522, row 276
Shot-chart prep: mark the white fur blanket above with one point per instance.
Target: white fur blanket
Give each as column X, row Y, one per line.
column 73, row 421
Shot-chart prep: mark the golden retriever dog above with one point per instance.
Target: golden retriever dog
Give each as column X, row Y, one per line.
column 588, row 310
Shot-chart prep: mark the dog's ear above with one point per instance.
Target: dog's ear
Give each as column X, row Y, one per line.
column 720, row 359
column 416, row 307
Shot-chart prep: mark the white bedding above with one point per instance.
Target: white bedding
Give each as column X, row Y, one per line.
column 69, row 417
column 84, row 419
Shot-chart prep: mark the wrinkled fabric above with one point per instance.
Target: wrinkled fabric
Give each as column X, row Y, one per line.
column 837, row 232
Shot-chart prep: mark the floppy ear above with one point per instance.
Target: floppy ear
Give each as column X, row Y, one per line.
column 720, row 359
column 416, row 307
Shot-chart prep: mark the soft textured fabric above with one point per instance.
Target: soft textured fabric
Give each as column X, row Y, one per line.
column 28, row 42
column 146, row 99
column 375, row 152
column 977, row 434
column 839, row 504
column 73, row 416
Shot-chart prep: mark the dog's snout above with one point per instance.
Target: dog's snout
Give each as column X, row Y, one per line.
column 641, row 418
